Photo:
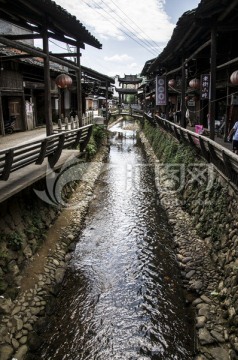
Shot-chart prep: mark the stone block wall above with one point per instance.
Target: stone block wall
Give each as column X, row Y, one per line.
column 202, row 211
column 24, row 221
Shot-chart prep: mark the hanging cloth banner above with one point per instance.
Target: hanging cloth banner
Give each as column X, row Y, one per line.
column 161, row 90
column 205, row 86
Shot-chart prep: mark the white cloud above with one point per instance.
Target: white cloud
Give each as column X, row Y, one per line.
column 118, row 58
column 131, row 32
column 120, row 19
column 133, row 65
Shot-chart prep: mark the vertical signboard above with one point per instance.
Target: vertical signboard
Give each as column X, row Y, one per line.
column 205, row 87
column 161, row 90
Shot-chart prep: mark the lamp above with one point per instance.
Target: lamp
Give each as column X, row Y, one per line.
column 234, row 78
column 194, row 83
column 172, row 83
column 63, row 81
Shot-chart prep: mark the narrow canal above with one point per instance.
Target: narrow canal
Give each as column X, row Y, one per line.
column 122, row 296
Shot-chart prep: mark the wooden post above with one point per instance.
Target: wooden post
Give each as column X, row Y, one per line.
column 213, row 82
column 1, row 116
column 79, row 88
column 226, row 129
column 48, row 109
column 59, row 124
column 66, row 123
column 183, row 90
column 24, row 117
column 106, row 102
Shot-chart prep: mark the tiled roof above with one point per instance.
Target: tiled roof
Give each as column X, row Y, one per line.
column 38, row 13
column 194, row 28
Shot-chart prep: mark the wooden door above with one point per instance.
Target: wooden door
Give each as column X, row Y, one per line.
column 15, row 107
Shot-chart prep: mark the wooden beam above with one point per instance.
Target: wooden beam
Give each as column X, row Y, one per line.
column 60, row 55
column 66, row 40
column 47, row 105
column 207, row 43
column 228, row 63
column 228, row 9
column 15, row 57
column 22, row 47
column 23, row 36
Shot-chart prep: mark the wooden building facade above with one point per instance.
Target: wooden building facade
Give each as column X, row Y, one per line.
column 203, row 46
column 128, row 86
column 27, row 76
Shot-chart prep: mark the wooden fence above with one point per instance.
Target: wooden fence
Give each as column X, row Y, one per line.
column 36, row 151
column 73, row 122
column 223, row 159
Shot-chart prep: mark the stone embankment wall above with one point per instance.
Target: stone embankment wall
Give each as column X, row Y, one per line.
column 26, row 222
column 202, row 210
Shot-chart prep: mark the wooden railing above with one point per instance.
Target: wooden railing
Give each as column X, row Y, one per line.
column 128, row 111
column 222, row 158
column 73, row 122
column 36, row 151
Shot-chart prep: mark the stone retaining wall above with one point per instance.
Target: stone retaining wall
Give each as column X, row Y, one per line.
column 204, row 220
column 22, row 314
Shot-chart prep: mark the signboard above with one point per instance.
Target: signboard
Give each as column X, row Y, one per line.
column 191, row 103
column 205, row 86
column 161, row 90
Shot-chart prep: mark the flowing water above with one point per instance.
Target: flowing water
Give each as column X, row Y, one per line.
column 122, row 296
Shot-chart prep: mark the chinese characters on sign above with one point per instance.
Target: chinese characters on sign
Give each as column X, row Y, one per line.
column 161, row 90
column 205, row 86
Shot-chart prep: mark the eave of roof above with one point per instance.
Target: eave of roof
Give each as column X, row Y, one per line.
column 126, row 91
column 26, row 13
column 193, row 29
column 97, row 75
column 130, row 79
column 38, row 62
column 185, row 25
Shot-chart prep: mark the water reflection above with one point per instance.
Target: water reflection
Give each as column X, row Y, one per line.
column 122, row 298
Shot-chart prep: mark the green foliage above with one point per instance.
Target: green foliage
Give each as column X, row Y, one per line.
column 209, row 205
column 210, row 225
column 167, row 149
column 14, row 240
column 99, row 134
column 91, row 149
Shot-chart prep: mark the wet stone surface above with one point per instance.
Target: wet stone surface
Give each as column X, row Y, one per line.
column 122, row 297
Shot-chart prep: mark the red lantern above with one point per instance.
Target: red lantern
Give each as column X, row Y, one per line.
column 63, row 81
column 194, row 83
column 234, row 78
column 172, row 82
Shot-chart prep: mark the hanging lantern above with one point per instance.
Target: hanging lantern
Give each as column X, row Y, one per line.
column 172, row 82
column 234, row 78
column 194, row 83
column 63, row 81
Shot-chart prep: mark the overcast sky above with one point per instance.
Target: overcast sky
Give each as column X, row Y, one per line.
column 130, row 31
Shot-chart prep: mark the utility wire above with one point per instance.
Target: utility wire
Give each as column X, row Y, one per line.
column 146, row 42
column 133, row 33
column 138, row 27
column 152, row 52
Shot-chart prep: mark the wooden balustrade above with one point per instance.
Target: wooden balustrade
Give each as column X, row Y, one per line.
column 36, row 151
column 222, row 158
